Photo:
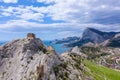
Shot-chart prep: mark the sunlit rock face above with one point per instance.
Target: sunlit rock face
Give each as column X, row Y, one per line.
column 30, row 59
column 27, row 59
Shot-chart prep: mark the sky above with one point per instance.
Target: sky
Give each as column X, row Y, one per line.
column 56, row 19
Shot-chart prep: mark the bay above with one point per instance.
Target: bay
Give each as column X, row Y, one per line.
column 60, row 48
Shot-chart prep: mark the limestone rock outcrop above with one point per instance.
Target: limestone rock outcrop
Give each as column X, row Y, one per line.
column 30, row 59
column 27, row 59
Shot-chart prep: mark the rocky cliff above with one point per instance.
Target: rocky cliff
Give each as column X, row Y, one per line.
column 94, row 36
column 27, row 59
column 30, row 59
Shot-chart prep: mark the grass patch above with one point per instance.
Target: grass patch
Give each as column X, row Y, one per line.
column 101, row 72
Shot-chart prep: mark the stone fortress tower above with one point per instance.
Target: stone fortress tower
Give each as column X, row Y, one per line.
column 31, row 36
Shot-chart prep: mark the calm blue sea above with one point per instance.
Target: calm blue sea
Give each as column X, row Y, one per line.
column 2, row 42
column 58, row 47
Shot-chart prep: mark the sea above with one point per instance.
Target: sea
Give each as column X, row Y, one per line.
column 59, row 48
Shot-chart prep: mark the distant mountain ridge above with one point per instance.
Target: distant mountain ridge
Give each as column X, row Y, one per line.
column 97, row 36
column 92, row 35
column 67, row 40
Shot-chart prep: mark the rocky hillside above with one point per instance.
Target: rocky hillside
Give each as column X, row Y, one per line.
column 27, row 59
column 114, row 42
column 30, row 59
column 106, row 56
column 92, row 35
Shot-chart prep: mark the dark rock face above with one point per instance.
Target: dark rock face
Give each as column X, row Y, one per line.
column 97, row 36
column 114, row 42
column 94, row 36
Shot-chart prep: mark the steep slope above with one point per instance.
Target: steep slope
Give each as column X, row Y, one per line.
column 27, row 59
column 97, row 36
column 114, row 42
column 94, row 36
column 83, row 69
column 101, row 72
column 30, row 59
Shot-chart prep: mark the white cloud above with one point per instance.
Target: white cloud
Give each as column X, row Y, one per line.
column 51, row 31
column 26, row 26
column 6, row 14
column 9, row 1
column 83, row 10
column 23, row 12
column 73, row 11
column 46, row 1
column 32, row 16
